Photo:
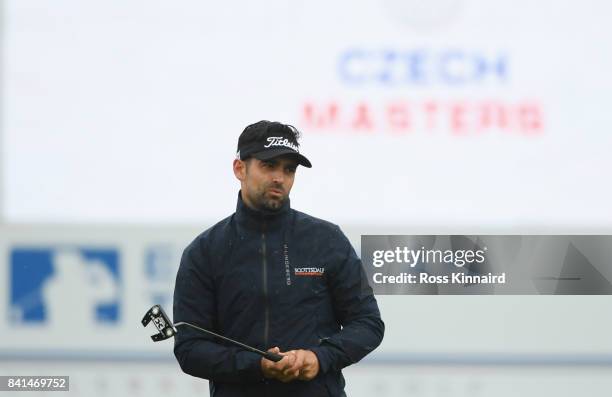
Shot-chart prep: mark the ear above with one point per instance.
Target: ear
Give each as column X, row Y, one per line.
column 239, row 169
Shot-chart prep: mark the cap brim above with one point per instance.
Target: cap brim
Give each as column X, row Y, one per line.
column 272, row 153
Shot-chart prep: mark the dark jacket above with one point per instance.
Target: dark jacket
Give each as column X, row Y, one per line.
column 282, row 279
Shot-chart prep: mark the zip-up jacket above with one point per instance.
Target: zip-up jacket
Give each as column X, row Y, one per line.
column 267, row 279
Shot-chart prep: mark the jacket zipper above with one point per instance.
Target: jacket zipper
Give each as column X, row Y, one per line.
column 265, row 285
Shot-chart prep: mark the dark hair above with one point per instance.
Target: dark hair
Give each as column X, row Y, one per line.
column 264, row 128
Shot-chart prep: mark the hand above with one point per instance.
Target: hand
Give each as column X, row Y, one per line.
column 279, row 370
column 305, row 365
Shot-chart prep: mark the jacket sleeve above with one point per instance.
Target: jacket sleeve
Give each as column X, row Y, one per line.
column 194, row 302
column 355, row 308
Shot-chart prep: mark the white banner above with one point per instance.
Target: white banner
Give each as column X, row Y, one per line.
column 446, row 112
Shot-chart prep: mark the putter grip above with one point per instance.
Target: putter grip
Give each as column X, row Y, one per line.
column 273, row 357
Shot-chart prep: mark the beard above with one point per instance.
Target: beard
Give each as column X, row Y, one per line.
column 263, row 201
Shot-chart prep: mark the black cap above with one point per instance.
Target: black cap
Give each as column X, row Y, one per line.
column 273, row 139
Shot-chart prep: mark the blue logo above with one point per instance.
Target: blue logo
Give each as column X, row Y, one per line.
column 64, row 286
column 421, row 67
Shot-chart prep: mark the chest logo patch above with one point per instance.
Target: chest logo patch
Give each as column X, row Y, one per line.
column 309, row 271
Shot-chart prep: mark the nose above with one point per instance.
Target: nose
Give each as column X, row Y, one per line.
column 278, row 177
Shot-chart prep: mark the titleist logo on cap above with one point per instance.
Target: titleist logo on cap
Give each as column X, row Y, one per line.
column 279, row 141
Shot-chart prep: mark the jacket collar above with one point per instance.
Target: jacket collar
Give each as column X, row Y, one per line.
column 260, row 219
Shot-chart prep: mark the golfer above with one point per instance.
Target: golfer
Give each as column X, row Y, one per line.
column 276, row 279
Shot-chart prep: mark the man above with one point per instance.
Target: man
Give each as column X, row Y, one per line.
column 276, row 279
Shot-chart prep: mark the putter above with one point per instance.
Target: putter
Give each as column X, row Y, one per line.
column 167, row 330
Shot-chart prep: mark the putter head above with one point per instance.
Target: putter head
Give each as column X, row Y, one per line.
column 161, row 321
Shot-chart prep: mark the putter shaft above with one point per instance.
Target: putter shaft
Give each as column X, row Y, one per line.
column 167, row 330
column 269, row 355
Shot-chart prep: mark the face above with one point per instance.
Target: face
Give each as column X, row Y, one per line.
column 266, row 184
